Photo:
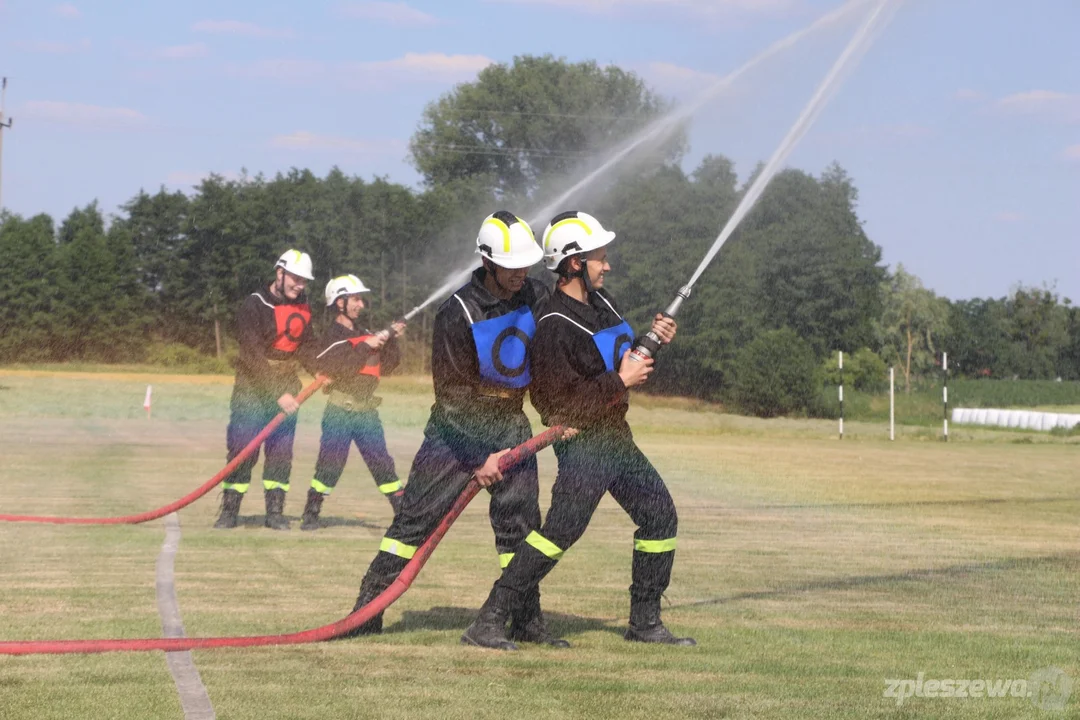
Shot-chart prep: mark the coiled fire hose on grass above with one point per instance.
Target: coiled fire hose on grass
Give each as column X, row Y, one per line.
column 191, row 497
column 326, row 632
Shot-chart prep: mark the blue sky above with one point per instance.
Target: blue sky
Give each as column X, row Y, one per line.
column 961, row 127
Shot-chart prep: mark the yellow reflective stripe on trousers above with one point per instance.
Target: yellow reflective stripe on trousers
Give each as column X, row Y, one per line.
column 544, row 545
column 397, row 548
column 320, row 488
column 655, row 546
column 504, row 559
column 238, row 487
column 275, row 485
column 389, row 488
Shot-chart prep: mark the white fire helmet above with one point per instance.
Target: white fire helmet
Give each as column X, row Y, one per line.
column 572, row 233
column 343, row 286
column 508, row 241
column 296, row 262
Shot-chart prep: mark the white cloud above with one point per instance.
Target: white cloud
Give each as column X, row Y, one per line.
column 55, row 48
column 416, row 67
column 79, row 114
column 398, row 14
column 1072, row 152
column 183, row 52
column 676, row 79
column 1008, row 217
column 1043, row 103
column 237, row 27
column 67, row 11
column 304, row 140
column 378, row 74
column 283, row 69
column 969, row 95
column 708, row 8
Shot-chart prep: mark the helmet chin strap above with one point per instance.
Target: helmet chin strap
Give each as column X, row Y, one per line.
column 583, row 273
column 489, row 267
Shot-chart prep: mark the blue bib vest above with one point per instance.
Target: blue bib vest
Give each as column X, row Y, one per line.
column 502, row 347
column 613, row 342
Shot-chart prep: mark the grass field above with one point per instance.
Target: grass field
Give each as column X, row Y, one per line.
column 810, row 570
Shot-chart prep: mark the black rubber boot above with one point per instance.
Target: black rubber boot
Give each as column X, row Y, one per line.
column 396, row 500
column 312, row 509
column 528, row 625
column 370, row 588
column 489, row 630
column 275, row 510
column 230, row 509
column 645, row 626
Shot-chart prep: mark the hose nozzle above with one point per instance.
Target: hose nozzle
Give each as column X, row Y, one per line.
column 649, row 344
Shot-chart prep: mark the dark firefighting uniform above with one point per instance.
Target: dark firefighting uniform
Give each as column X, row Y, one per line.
column 275, row 339
column 575, row 357
column 480, row 368
column 351, row 414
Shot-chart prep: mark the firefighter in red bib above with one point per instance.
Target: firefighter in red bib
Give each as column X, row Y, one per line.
column 354, row 358
column 274, row 332
column 480, row 369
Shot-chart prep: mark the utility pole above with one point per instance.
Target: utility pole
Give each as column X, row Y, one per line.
column 3, row 92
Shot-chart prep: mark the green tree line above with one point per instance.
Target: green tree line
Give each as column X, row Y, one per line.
column 797, row 282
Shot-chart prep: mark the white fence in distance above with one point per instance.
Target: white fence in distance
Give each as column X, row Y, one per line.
column 1022, row 419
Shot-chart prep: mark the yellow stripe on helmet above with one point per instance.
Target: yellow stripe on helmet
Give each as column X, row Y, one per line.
column 505, row 231
column 567, row 221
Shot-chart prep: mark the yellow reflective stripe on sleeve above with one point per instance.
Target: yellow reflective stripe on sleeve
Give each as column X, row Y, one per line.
column 655, row 546
column 389, row 488
column 275, row 485
column 238, row 487
column 505, row 231
column 319, row 487
column 504, row 559
column 397, row 548
column 544, row 545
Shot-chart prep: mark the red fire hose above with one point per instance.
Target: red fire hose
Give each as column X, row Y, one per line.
column 326, row 632
column 187, row 499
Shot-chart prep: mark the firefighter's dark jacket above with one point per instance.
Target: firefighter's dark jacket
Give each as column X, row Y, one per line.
column 571, row 383
column 345, row 360
column 466, row 415
column 263, row 368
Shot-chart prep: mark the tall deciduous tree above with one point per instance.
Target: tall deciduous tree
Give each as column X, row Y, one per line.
column 913, row 319
column 534, row 118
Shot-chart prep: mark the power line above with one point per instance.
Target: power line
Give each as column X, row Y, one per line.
column 3, row 93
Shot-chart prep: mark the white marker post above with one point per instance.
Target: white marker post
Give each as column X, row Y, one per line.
column 841, row 394
column 945, row 391
column 892, row 403
column 146, row 402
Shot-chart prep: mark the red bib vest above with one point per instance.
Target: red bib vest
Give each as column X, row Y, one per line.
column 373, row 367
column 291, row 321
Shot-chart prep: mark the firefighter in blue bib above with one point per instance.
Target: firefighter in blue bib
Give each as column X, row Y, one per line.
column 355, row 359
column 480, row 368
column 581, row 374
column 273, row 328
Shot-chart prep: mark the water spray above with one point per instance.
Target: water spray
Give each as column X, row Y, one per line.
column 663, row 127
column 658, row 130
column 649, row 344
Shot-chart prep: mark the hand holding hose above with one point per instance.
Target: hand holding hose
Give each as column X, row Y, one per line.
column 664, row 327
column 288, row 404
column 634, row 373
column 488, row 474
